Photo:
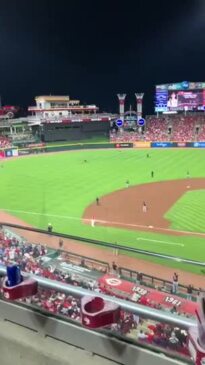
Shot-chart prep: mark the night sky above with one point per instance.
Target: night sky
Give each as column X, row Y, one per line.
column 92, row 50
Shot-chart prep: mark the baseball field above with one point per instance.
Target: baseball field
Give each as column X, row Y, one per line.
column 62, row 188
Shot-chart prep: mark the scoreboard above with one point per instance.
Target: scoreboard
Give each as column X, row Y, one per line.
column 183, row 96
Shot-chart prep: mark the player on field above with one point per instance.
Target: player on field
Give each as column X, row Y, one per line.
column 144, row 207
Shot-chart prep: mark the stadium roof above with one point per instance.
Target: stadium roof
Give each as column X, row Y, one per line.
column 64, row 98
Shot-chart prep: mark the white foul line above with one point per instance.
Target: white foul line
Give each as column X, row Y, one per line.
column 111, row 223
column 157, row 241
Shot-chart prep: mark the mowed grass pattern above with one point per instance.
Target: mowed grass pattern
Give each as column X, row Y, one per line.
column 57, row 188
column 188, row 213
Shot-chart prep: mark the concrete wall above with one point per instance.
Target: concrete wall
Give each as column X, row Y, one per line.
column 28, row 337
column 21, row 346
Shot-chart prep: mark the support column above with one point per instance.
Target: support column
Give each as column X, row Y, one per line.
column 139, row 99
column 121, row 98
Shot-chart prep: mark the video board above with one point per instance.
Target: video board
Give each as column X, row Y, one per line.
column 183, row 96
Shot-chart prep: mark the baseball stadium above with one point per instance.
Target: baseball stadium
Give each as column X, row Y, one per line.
column 109, row 202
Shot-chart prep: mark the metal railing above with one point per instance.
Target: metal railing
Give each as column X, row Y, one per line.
column 151, row 281
column 142, row 311
column 49, row 303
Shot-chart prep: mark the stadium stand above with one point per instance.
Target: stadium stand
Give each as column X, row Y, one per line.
column 129, row 325
column 177, row 128
column 4, row 142
column 125, row 136
column 157, row 129
column 77, row 270
column 201, row 134
column 183, row 129
column 30, row 258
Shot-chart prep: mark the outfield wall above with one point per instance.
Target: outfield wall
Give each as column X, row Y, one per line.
column 42, row 148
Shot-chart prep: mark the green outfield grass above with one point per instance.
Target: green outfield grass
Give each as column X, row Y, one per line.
column 57, row 188
column 188, row 213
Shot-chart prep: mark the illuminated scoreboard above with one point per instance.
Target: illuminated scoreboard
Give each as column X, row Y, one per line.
column 188, row 96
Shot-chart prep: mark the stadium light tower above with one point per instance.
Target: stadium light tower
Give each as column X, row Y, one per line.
column 139, row 99
column 121, row 98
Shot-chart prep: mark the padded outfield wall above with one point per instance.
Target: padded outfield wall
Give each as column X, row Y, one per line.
column 42, row 148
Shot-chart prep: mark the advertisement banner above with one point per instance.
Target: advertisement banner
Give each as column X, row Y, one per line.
column 113, row 285
column 162, row 144
column 180, row 96
column 2, row 155
column 8, row 153
column 141, row 144
column 34, row 145
column 123, row 145
column 198, row 144
column 15, row 153
column 24, row 152
column 181, row 144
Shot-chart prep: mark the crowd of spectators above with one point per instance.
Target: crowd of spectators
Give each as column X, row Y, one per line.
column 124, row 136
column 177, row 128
column 163, row 335
column 56, row 303
column 5, row 142
column 29, row 257
column 201, row 134
column 157, row 129
column 183, row 129
column 129, row 325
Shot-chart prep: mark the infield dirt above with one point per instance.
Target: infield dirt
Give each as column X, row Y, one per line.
column 124, row 208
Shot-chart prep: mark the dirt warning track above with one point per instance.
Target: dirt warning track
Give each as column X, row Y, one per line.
column 123, row 208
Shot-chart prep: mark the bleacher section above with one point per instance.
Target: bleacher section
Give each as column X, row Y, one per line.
column 5, row 142
column 177, row 128
column 97, row 276
column 157, row 129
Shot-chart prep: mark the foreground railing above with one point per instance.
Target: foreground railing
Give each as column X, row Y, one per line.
column 142, row 311
column 139, row 325
column 62, row 279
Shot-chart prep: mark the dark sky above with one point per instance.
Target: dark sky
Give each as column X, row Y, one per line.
column 94, row 49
